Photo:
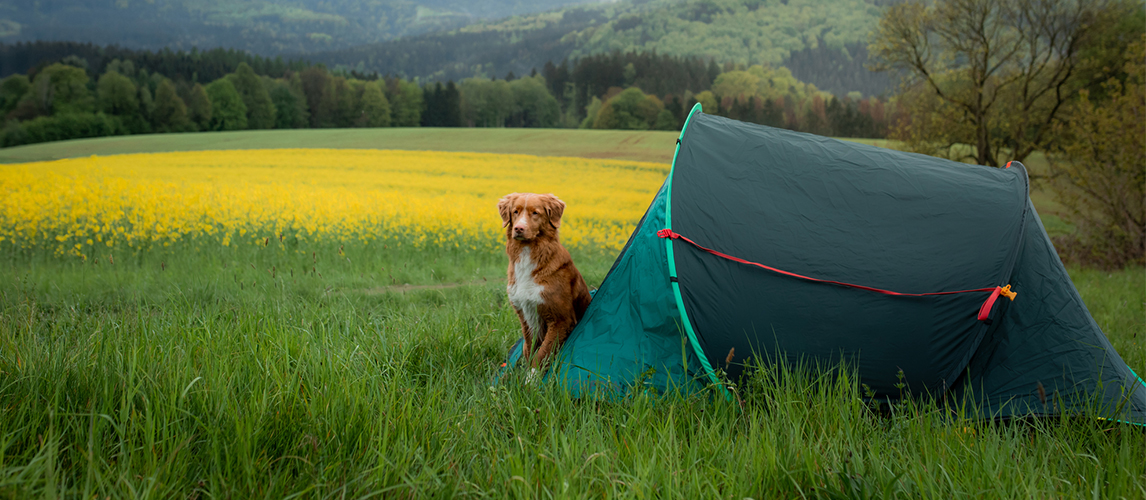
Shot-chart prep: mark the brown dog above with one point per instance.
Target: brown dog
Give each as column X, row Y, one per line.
column 546, row 290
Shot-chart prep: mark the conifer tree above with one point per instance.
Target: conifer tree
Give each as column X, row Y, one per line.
column 319, row 91
column 451, row 106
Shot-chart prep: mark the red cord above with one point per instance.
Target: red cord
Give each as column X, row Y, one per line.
column 669, row 233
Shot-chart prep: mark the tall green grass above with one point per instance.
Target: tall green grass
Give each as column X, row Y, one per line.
column 250, row 374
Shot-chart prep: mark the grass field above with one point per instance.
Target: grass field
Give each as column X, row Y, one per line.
column 613, row 144
column 340, row 368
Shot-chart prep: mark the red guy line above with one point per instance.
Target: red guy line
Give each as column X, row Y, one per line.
column 669, row 233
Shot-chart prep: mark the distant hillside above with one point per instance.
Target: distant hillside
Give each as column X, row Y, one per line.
column 266, row 27
column 821, row 41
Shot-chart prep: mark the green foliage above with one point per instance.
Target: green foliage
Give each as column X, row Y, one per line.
column 117, row 95
column 998, row 84
column 375, row 107
column 60, row 127
column 1098, row 173
column 629, row 110
column 259, row 26
column 57, row 89
column 443, row 105
column 736, row 31
column 227, row 109
column 346, row 111
column 170, row 111
column 289, row 101
column 318, row 87
column 533, row 105
column 406, row 103
column 146, row 106
column 707, row 101
column 199, row 107
column 666, row 121
column 591, row 112
column 485, row 102
column 12, row 89
column 260, row 108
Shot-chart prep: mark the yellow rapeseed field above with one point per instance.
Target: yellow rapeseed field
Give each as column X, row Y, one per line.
column 228, row 198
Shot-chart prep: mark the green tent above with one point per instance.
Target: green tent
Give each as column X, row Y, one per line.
column 765, row 243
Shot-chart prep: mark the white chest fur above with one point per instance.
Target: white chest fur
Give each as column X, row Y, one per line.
column 525, row 293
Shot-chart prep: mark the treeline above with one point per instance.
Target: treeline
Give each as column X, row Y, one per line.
column 70, row 99
column 609, row 91
column 194, row 65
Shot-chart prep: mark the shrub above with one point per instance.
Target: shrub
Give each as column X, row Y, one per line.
column 60, row 128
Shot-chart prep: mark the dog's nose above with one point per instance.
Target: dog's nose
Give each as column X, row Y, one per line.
column 519, row 229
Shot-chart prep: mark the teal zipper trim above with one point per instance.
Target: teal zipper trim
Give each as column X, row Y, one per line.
column 672, row 267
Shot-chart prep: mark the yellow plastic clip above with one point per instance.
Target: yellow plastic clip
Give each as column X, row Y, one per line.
column 1006, row 292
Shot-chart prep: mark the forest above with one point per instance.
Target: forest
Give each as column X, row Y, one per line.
column 265, row 27
column 100, row 91
column 822, row 42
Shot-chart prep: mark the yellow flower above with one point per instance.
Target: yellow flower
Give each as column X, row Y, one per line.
column 311, row 195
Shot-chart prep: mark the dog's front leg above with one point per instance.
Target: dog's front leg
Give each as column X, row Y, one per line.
column 555, row 334
column 526, row 334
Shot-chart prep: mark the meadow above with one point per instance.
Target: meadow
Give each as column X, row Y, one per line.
column 268, row 324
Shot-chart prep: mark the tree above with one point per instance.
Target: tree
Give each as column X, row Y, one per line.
column 629, row 110
column 170, row 111
column 666, row 121
column 451, row 106
column 227, row 109
column 1097, row 171
column 319, row 92
column 405, row 103
column 199, row 107
column 591, row 112
column 533, row 105
column 486, row 103
column 12, row 89
column 260, row 107
column 346, row 109
column 290, row 102
column 992, row 74
column 146, row 106
column 375, row 107
column 57, row 89
column 707, row 102
column 116, row 95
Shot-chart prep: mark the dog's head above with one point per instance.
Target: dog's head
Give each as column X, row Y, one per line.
column 527, row 216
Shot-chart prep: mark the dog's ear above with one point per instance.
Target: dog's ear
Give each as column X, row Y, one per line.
column 504, row 207
column 553, row 210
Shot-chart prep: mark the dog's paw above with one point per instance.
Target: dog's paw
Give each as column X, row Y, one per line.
column 533, row 377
